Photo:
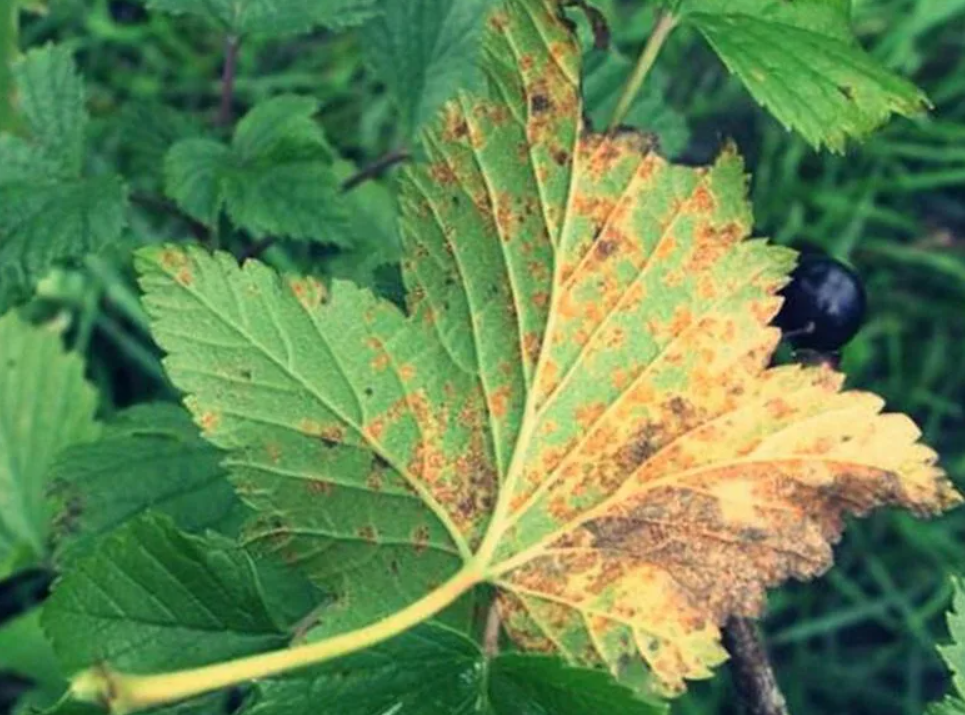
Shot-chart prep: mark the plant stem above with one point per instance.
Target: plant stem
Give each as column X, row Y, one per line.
column 753, row 673
column 376, row 168
column 123, row 693
column 9, row 50
column 661, row 31
column 228, row 75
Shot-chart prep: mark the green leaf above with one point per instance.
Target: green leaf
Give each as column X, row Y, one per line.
column 26, row 653
column 149, row 457
column 954, row 654
column 433, row 670
column 151, row 597
column 801, row 61
column 372, row 232
column 279, row 394
column 276, row 178
column 45, row 406
column 148, row 130
column 605, row 73
column 193, row 172
column 272, row 18
column 49, row 210
column 425, row 51
column 50, row 98
column 574, row 408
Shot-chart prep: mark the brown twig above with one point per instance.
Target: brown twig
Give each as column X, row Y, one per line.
column 157, row 203
column 228, row 75
column 376, row 168
column 752, row 669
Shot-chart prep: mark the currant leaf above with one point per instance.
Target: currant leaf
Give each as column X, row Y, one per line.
column 276, row 177
column 575, row 406
column 45, row 407
column 802, row 62
column 50, row 209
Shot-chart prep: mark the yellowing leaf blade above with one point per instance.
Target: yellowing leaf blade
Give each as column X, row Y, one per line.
column 575, row 406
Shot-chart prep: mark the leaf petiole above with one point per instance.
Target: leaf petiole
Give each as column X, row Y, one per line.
column 125, row 693
column 666, row 23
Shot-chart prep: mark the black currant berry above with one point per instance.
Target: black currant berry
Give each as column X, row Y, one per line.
column 824, row 304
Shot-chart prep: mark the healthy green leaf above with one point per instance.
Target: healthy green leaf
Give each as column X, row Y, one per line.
column 152, row 597
column 148, row 130
column 801, row 60
column 372, row 231
column 50, row 211
column 45, row 406
column 425, row 51
column 26, row 653
column 272, row 18
column 574, row 407
column 275, row 179
column 433, row 670
column 149, row 457
column 954, row 655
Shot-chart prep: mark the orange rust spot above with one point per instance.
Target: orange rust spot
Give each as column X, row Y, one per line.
column 499, row 401
column 184, row 276
column 532, row 343
column 374, row 429
column 380, row 362
column 368, row 533
column 320, row 487
column 703, row 200
column 420, row 538
column 209, row 421
column 587, row 415
column 442, row 173
column 173, row 259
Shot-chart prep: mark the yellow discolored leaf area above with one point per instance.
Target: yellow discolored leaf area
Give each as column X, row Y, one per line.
column 577, row 407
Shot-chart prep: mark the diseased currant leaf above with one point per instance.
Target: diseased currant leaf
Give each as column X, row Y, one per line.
column 433, row 670
column 45, row 406
column 802, row 62
column 425, row 51
column 149, row 457
column 289, row 403
column 575, row 406
column 152, row 597
column 954, row 655
column 275, row 179
column 49, row 209
column 272, row 18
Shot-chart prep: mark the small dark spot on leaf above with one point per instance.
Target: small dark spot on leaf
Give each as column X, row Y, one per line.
column 420, row 538
column 846, row 92
column 539, row 104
